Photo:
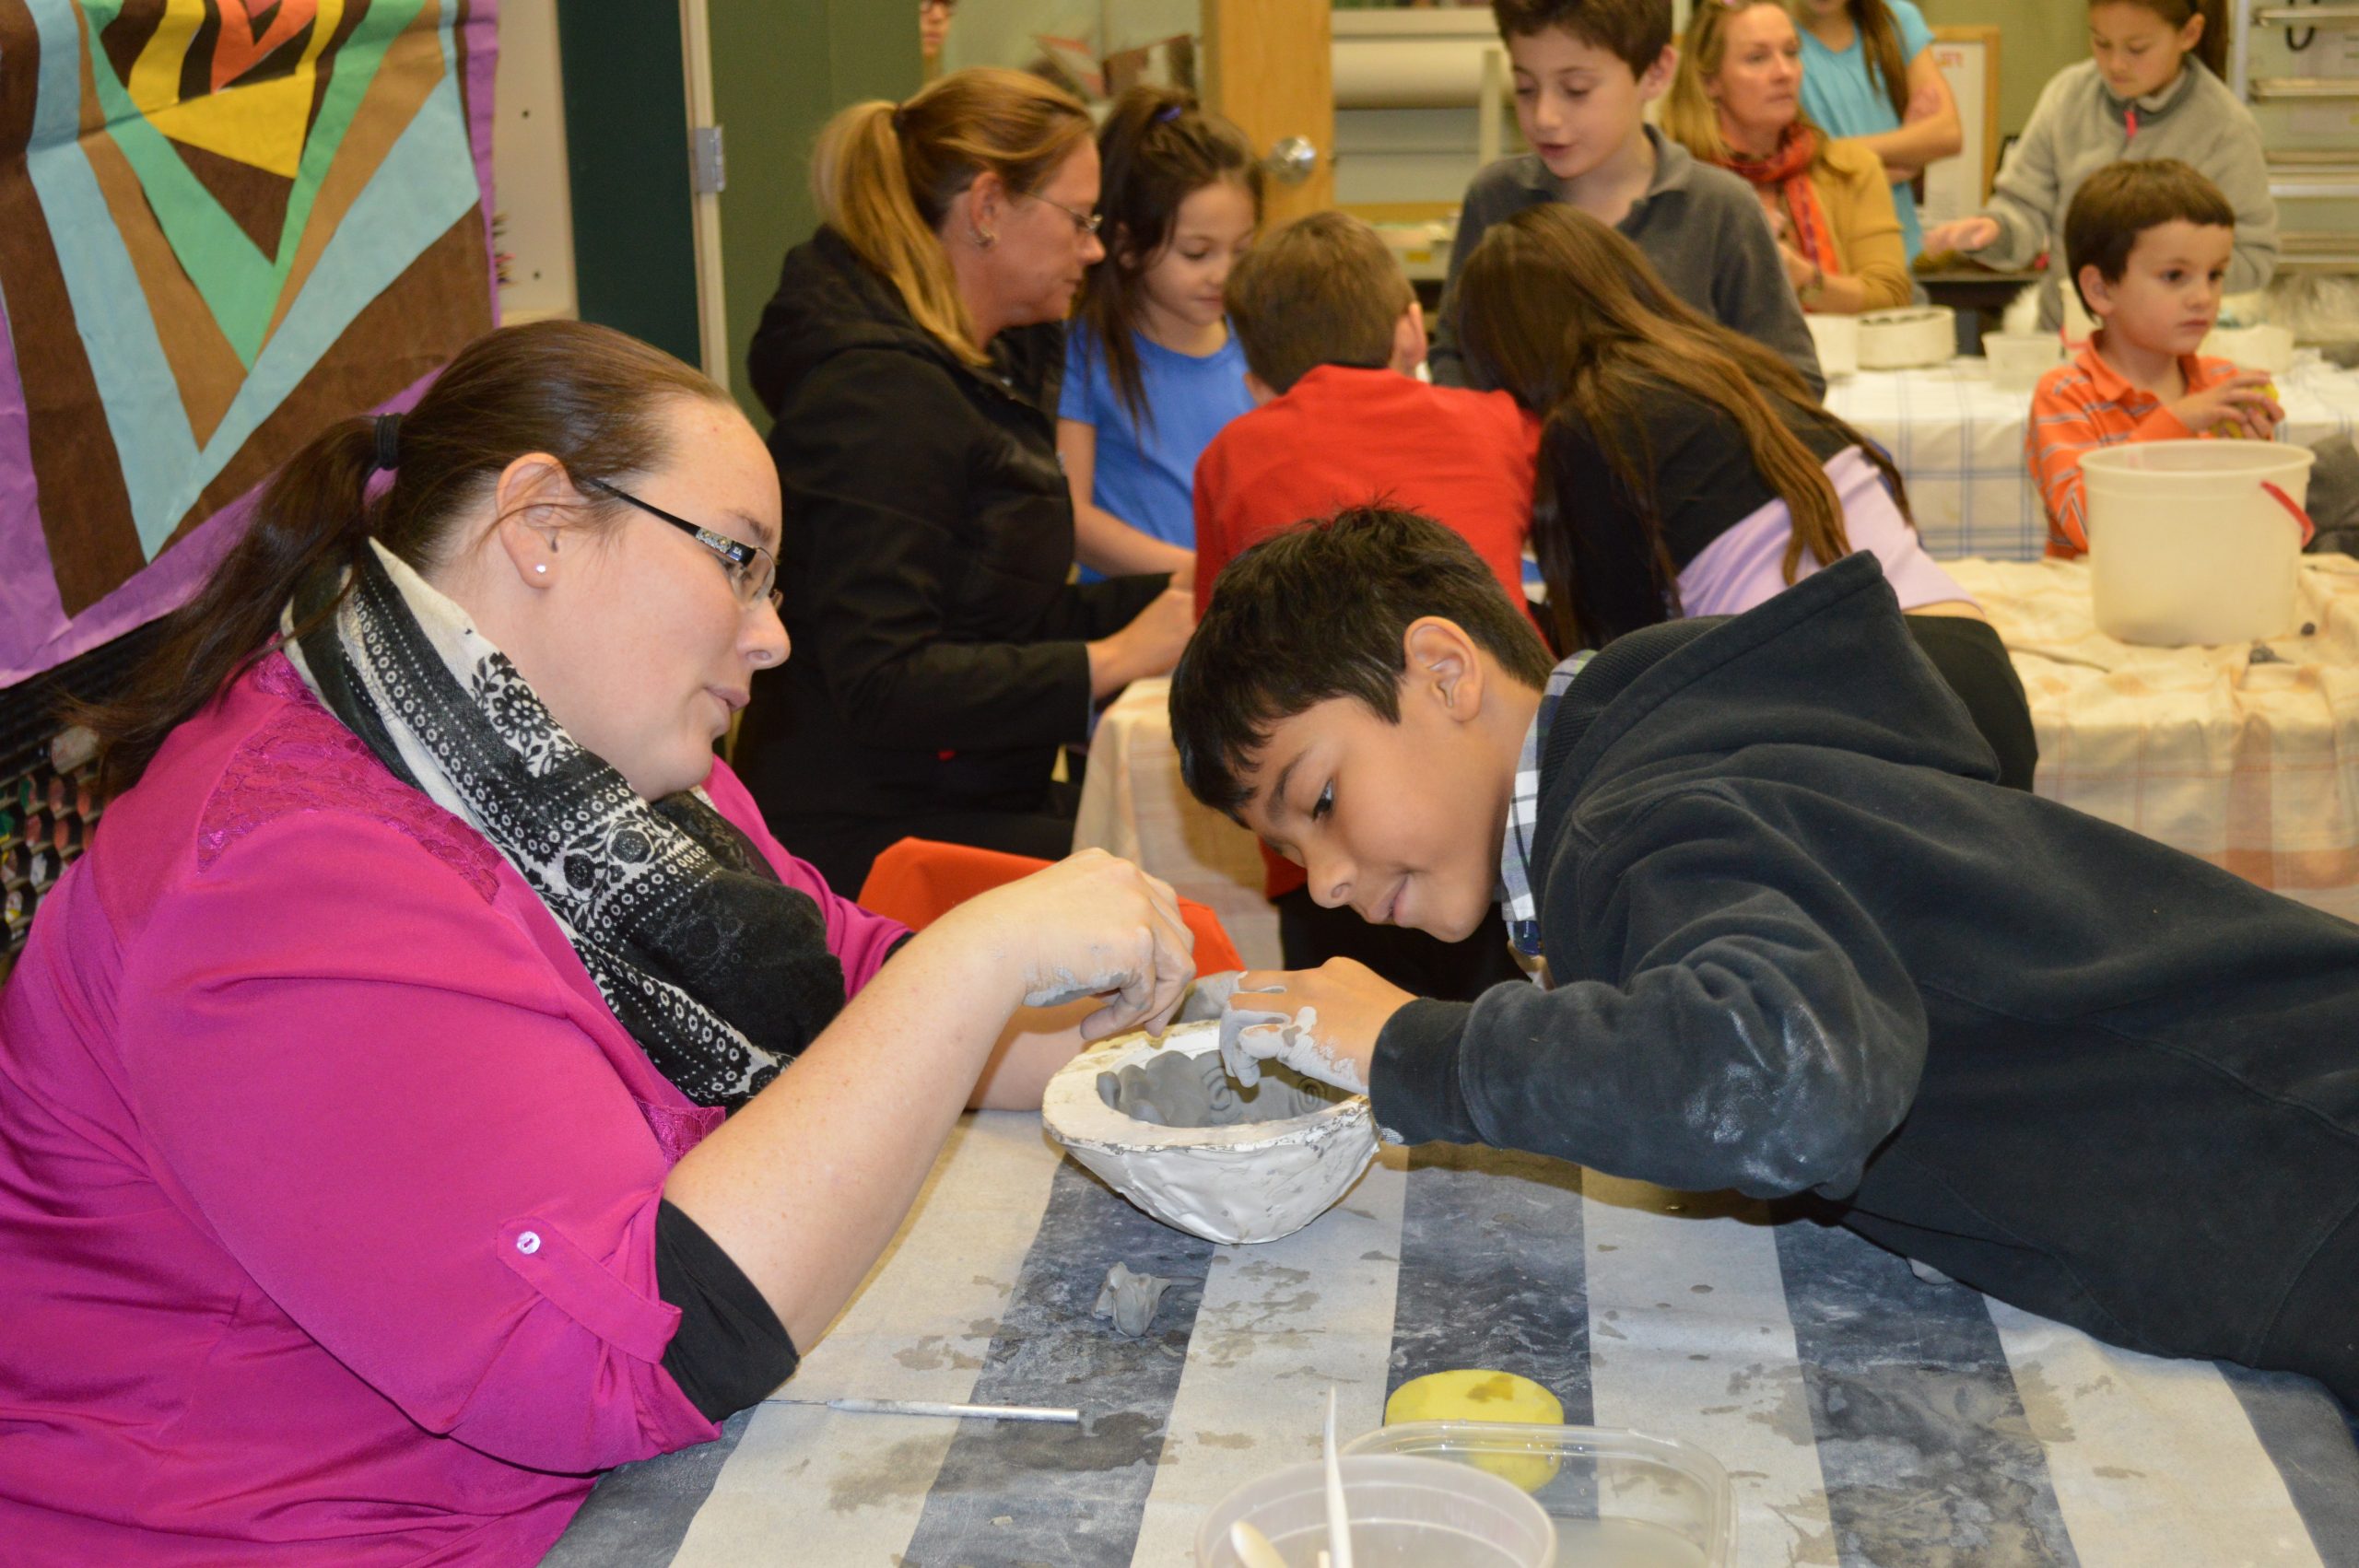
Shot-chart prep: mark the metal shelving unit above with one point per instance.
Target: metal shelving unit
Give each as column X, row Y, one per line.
column 2327, row 173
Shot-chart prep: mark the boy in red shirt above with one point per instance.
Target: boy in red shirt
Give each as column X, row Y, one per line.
column 1333, row 338
column 2149, row 245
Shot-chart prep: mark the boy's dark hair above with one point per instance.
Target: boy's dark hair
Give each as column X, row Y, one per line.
column 2122, row 201
column 1320, row 611
column 1635, row 31
column 1325, row 290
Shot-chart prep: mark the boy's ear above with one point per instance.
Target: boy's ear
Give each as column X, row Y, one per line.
column 2095, row 293
column 1440, row 666
column 1655, row 80
column 1260, row 391
column 1409, row 339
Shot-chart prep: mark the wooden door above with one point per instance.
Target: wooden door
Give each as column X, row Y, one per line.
column 1269, row 65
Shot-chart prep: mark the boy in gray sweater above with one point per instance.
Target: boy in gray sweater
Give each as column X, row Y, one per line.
column 2149, row 91
column 1584, row 71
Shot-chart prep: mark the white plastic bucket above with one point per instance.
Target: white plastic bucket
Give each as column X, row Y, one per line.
column 2017, row 360
column 2195, row 541
column 1837, row 339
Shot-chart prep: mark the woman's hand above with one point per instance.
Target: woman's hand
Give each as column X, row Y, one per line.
column 1963, row 234
column 1089, row 926
column 1150, row 645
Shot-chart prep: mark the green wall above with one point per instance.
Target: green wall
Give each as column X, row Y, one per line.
column 2036, row 39
column 780, row 69
column 626, row 106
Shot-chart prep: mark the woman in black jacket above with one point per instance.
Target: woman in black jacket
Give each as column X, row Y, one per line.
column 911, row 358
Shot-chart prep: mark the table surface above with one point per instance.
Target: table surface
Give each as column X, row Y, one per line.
column 1866, row 1416
column 1959, row 442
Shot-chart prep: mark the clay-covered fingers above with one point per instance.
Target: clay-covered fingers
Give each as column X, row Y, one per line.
column 1252, row 1024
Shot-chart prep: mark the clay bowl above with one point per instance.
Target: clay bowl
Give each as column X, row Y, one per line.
column 1253, row 1182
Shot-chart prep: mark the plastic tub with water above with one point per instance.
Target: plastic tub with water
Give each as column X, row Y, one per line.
column 2195, row 541
column 1407, row 1510
column 1618, row 1499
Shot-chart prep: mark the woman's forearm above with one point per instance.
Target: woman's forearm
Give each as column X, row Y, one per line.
column 806, row 1184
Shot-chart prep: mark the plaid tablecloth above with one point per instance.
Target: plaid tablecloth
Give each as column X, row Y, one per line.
column 1867, row 1416
column 1959, row 443
column 2247, row 757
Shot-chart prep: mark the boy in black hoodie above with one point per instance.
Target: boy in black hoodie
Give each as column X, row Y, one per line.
column 1799, row 940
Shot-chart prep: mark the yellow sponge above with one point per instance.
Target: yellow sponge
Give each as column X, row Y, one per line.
column 1474, row 1394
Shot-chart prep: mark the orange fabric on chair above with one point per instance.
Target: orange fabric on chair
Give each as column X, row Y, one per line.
column 918, row 881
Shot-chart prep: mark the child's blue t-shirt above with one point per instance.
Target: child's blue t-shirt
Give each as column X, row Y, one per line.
column 1843, row 95
column 1148, row 479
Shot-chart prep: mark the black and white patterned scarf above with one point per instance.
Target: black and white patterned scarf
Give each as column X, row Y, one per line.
column 719, row 970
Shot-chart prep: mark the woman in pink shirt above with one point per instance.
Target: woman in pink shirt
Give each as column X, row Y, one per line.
column 365, row 1188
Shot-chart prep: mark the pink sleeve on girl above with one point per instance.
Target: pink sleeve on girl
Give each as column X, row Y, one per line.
column 860, row 939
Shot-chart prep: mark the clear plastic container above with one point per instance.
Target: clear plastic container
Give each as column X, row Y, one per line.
column 1406, row 1511
column 1619, row 1499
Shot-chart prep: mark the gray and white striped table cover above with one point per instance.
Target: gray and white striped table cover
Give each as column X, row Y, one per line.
column 1867, row 1416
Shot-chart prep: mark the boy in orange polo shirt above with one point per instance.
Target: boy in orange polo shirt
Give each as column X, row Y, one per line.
column 2149, row 245
column 1333, row 339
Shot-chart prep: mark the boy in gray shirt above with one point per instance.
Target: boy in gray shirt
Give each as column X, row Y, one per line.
column 1584, row 73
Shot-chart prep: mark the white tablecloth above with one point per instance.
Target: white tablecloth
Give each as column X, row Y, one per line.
column 1959, row 443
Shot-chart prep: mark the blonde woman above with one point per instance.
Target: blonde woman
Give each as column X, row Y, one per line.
column 912, row 358
column 1736, row 101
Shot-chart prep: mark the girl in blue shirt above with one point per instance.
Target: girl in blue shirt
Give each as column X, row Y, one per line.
column 1152, row 371
column 1869, row 75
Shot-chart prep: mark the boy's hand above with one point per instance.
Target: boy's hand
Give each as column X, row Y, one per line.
column 2245, row 401
column 1322, row 1022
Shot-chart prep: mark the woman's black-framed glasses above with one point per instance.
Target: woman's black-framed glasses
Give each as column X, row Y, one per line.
column 753, row 572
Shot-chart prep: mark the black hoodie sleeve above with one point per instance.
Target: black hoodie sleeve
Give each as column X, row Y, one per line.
column 1749, row 1028
column 876, row 478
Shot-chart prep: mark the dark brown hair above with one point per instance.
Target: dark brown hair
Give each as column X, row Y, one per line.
column 885, row 176
column 1323, row 290
column 2212, row 47
column 1634, row 31
column 2122, row 200
column 587, row 395
column 1569, row 316
column 1323, row 610
column 1155, row 150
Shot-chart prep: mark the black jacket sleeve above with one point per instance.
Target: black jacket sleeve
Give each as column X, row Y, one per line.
column 1091, row 610
column 875, row 481
column 1750, row 1028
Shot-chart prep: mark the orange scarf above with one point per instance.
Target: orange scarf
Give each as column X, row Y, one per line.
column 1783, row 178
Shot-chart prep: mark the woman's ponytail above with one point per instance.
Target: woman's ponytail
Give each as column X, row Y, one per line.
column 886, row 175
column 860, row 181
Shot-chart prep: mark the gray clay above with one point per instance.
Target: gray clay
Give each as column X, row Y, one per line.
column 1130, row 1299
column 1174, row 1089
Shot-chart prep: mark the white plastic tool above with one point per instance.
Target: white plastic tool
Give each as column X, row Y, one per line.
column 1339, row 1524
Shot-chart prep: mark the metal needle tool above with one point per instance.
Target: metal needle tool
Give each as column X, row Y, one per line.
column 933, row 1408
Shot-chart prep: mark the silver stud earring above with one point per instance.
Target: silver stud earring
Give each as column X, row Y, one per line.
column 541, row 569
column 985, row 238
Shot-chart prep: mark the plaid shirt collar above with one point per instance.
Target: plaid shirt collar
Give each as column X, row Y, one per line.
column 1515, row 900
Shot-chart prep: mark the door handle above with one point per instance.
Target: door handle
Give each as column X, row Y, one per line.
column 1291, row 160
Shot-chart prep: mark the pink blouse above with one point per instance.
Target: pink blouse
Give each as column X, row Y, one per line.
column 328, row 1183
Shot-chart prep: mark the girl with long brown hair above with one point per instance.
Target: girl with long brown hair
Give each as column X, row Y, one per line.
column 2149, row 89
column 1687, row 470
column 1868, row 76
column 1151, row 370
